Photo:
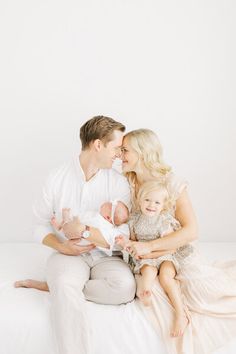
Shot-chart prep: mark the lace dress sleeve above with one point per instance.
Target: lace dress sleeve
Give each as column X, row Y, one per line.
column 176, row 185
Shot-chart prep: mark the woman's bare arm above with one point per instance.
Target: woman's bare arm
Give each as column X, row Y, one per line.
column 156, row 254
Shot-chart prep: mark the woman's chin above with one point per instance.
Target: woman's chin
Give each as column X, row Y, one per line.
column 125, row 168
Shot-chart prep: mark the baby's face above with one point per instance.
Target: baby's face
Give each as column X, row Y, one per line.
column 152, row 203
column 105, row 211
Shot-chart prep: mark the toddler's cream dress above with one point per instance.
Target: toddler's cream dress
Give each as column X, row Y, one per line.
column 148, row 228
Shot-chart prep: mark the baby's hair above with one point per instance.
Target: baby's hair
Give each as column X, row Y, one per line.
column 121, row 214
column 153, row 186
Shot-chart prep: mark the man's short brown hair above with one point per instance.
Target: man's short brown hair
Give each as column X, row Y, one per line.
column 99, row 127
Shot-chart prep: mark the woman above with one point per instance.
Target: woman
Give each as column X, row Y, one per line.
column 209, row 292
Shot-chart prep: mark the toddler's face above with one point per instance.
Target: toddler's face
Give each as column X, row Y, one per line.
column 152, row 203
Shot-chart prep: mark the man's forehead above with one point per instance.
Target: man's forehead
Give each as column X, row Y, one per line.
column 117, row 138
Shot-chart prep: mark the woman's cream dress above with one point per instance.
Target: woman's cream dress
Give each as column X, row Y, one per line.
column 209, row 295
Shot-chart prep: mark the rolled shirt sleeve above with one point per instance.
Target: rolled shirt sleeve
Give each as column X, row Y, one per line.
column 43, row 211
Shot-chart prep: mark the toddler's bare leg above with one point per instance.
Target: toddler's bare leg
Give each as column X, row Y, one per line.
column 170, row 285
column 145, row 284
column 30, row 283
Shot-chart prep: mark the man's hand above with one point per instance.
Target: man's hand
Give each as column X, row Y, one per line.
column 72, row 248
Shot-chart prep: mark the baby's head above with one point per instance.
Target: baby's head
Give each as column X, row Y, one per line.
column 153, row 198
column 115, row 212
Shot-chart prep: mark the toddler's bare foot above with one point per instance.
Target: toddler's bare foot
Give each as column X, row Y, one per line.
column 145, row 296
column 180, row 323
column 30, row 283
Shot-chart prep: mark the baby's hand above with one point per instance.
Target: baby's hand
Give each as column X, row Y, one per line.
column 121, row 241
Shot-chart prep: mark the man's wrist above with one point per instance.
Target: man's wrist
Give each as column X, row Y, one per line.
column 86, row 231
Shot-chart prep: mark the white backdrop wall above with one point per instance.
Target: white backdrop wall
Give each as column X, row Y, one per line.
column 165, row 65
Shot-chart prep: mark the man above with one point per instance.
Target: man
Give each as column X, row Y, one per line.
column 73, row 274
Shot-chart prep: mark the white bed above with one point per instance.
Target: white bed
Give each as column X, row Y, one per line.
column 25, row 326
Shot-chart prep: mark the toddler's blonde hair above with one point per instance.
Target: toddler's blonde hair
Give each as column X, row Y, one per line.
column 155, row 186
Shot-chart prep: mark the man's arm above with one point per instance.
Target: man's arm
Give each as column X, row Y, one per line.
column 43, row 210
column 75, row 228
column 69, row 247
column 97, row 238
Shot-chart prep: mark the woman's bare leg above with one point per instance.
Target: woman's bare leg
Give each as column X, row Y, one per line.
column 170, row 285
column 31, row 283
column 145, row 284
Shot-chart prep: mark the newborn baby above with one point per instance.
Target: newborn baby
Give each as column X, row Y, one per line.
column 110, row 215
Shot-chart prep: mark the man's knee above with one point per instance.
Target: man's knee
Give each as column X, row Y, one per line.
column 61, row 277
column 125, row 286
column 129, row 289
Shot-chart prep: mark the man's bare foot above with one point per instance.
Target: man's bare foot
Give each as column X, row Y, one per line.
column 30, row 283
column 144, row 296
column 180, row 323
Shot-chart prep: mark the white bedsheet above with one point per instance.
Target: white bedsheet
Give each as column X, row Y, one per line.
column 25, row 326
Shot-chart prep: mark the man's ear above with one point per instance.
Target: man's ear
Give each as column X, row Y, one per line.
column 97, row 144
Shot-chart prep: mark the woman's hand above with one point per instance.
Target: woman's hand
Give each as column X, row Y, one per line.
column 138, row 249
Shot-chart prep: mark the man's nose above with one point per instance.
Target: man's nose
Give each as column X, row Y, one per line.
column 119, row 153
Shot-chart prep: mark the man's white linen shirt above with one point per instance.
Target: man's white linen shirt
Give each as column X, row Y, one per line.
column 66, row 187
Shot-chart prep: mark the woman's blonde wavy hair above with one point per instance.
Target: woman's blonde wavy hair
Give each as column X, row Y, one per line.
column 146, row 143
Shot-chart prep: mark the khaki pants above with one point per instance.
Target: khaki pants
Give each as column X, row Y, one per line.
column 74, row 279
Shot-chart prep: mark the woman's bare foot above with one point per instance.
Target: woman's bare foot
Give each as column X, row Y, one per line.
column 180, row 323
column 30, row 283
